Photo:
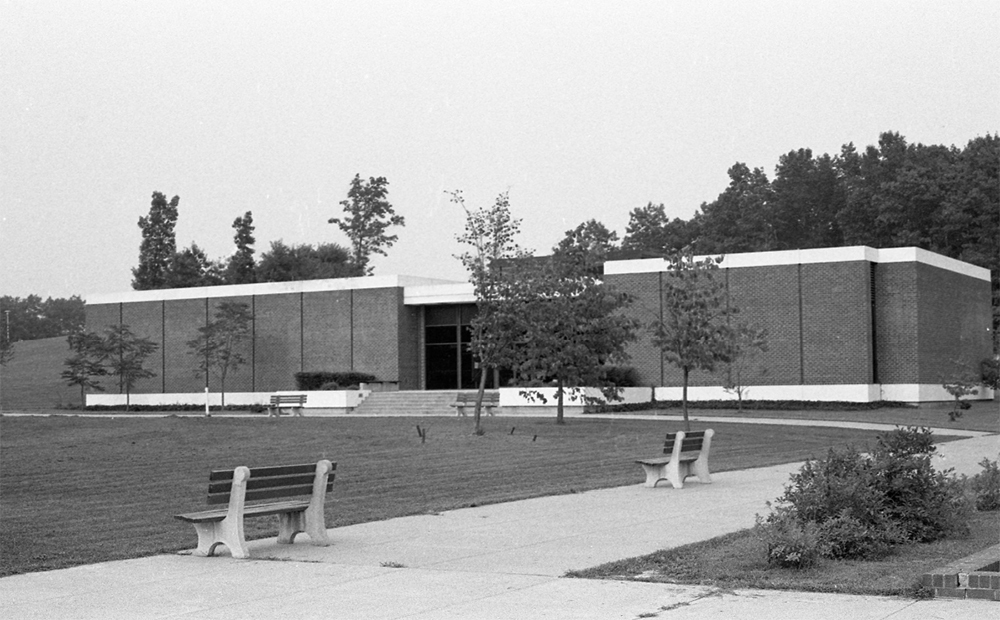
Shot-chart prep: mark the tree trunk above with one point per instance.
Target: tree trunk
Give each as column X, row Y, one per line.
column 559, row 402
column 684, row 401
column 478, row 430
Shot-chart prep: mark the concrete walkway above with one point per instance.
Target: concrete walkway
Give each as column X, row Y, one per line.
column 498, row 561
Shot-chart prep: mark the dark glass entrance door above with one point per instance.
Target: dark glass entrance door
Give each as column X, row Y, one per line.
column 449, row 362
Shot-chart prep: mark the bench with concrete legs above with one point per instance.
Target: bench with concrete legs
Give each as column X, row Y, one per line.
column 491, row 400
column 295, row 402
column 309, row 483
column 687, row 456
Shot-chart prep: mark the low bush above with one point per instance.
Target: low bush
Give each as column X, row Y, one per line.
column 986, row 486
column 753, row 405
column 863, row 505
column 315, row 380
column 788, row 541
column 622, row 376
column 846, row 537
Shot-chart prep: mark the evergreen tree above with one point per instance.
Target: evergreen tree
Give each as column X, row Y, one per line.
column 240, row 269
column 159, row 244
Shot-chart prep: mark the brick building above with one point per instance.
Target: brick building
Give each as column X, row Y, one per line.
column 852, row 323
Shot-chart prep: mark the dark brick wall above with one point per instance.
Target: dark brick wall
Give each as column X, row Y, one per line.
column 182, row 318
column 327, row 331
column 896, row 322
column 145, row 319
column 376, row 345
column 644, row 289
column 953, row 324
column 836, row 323
column 409, row 348
column 768, row 298
column 99, row 318
column 241, row 379
column 278, row 335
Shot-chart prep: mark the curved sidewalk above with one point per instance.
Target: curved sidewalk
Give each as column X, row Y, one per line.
column 496, row 561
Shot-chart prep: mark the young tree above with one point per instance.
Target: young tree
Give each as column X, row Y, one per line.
column 159, row 244
column 569, row 327
column 219, row 345
column 86, row 364
column 126, row 354
column 490, row 234
column 694, row 332
column 747, row 342
column 241, row 266
column 368, row 215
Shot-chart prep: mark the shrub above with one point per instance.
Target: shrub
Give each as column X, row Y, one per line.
column 330, row 386
column 990, row 371
column 863, row 505
column 788, row 541
column 986, row 486
column 621, row 376
column 315, row 380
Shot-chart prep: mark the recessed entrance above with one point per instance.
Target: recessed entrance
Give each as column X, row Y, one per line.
column 447, row 334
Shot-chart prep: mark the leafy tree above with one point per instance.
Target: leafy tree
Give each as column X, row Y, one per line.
column 740, row 219
column 569, row 327
column 590, row 243
column 694, row 332
column 806, row 197
column 651, row 232
column 6, row 350
column 191, row 267
column 241, row 266
column 32, row 318
column 159, row 244
column 219, row 345
column 126, row 355
column 283, row 263
column 86, row 363
column 746, row 342
column 368, row 215
column 490, row 234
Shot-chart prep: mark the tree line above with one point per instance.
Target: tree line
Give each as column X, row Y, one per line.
column 367, row 217
column 893, row 194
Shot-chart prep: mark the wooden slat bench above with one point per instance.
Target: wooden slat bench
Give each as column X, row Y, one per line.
column 687, row 455
column 295, row 402
column 491, row 400
column 241, row 485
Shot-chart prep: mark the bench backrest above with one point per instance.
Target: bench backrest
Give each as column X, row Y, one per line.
column 469, row 398
column 691, row 442
column 288, row 399
column 268, row 482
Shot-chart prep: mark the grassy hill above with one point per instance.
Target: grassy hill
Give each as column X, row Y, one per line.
column 31, row 380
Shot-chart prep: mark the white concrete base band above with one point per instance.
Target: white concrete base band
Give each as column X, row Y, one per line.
column 327, row 399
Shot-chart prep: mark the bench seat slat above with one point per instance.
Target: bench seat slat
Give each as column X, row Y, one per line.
column 258, row 510
column 663, row 460
column 270, row 493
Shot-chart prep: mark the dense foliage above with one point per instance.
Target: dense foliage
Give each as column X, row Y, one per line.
column 325, row 380
column 944, row 199
column 33, row 318
column 859, row 506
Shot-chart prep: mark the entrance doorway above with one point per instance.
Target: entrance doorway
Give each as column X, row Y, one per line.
column 449, row 362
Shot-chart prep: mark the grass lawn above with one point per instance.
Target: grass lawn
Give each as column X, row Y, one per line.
column 82, row 490
column 737, row 561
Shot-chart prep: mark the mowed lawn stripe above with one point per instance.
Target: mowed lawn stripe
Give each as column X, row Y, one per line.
column 83, row 490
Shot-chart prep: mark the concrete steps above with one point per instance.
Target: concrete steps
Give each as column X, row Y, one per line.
column 415, row 403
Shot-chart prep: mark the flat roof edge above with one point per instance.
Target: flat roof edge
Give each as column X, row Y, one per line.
column 267, row 288
column 811, row 256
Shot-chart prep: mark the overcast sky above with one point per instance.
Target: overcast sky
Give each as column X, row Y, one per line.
column 579, row 109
